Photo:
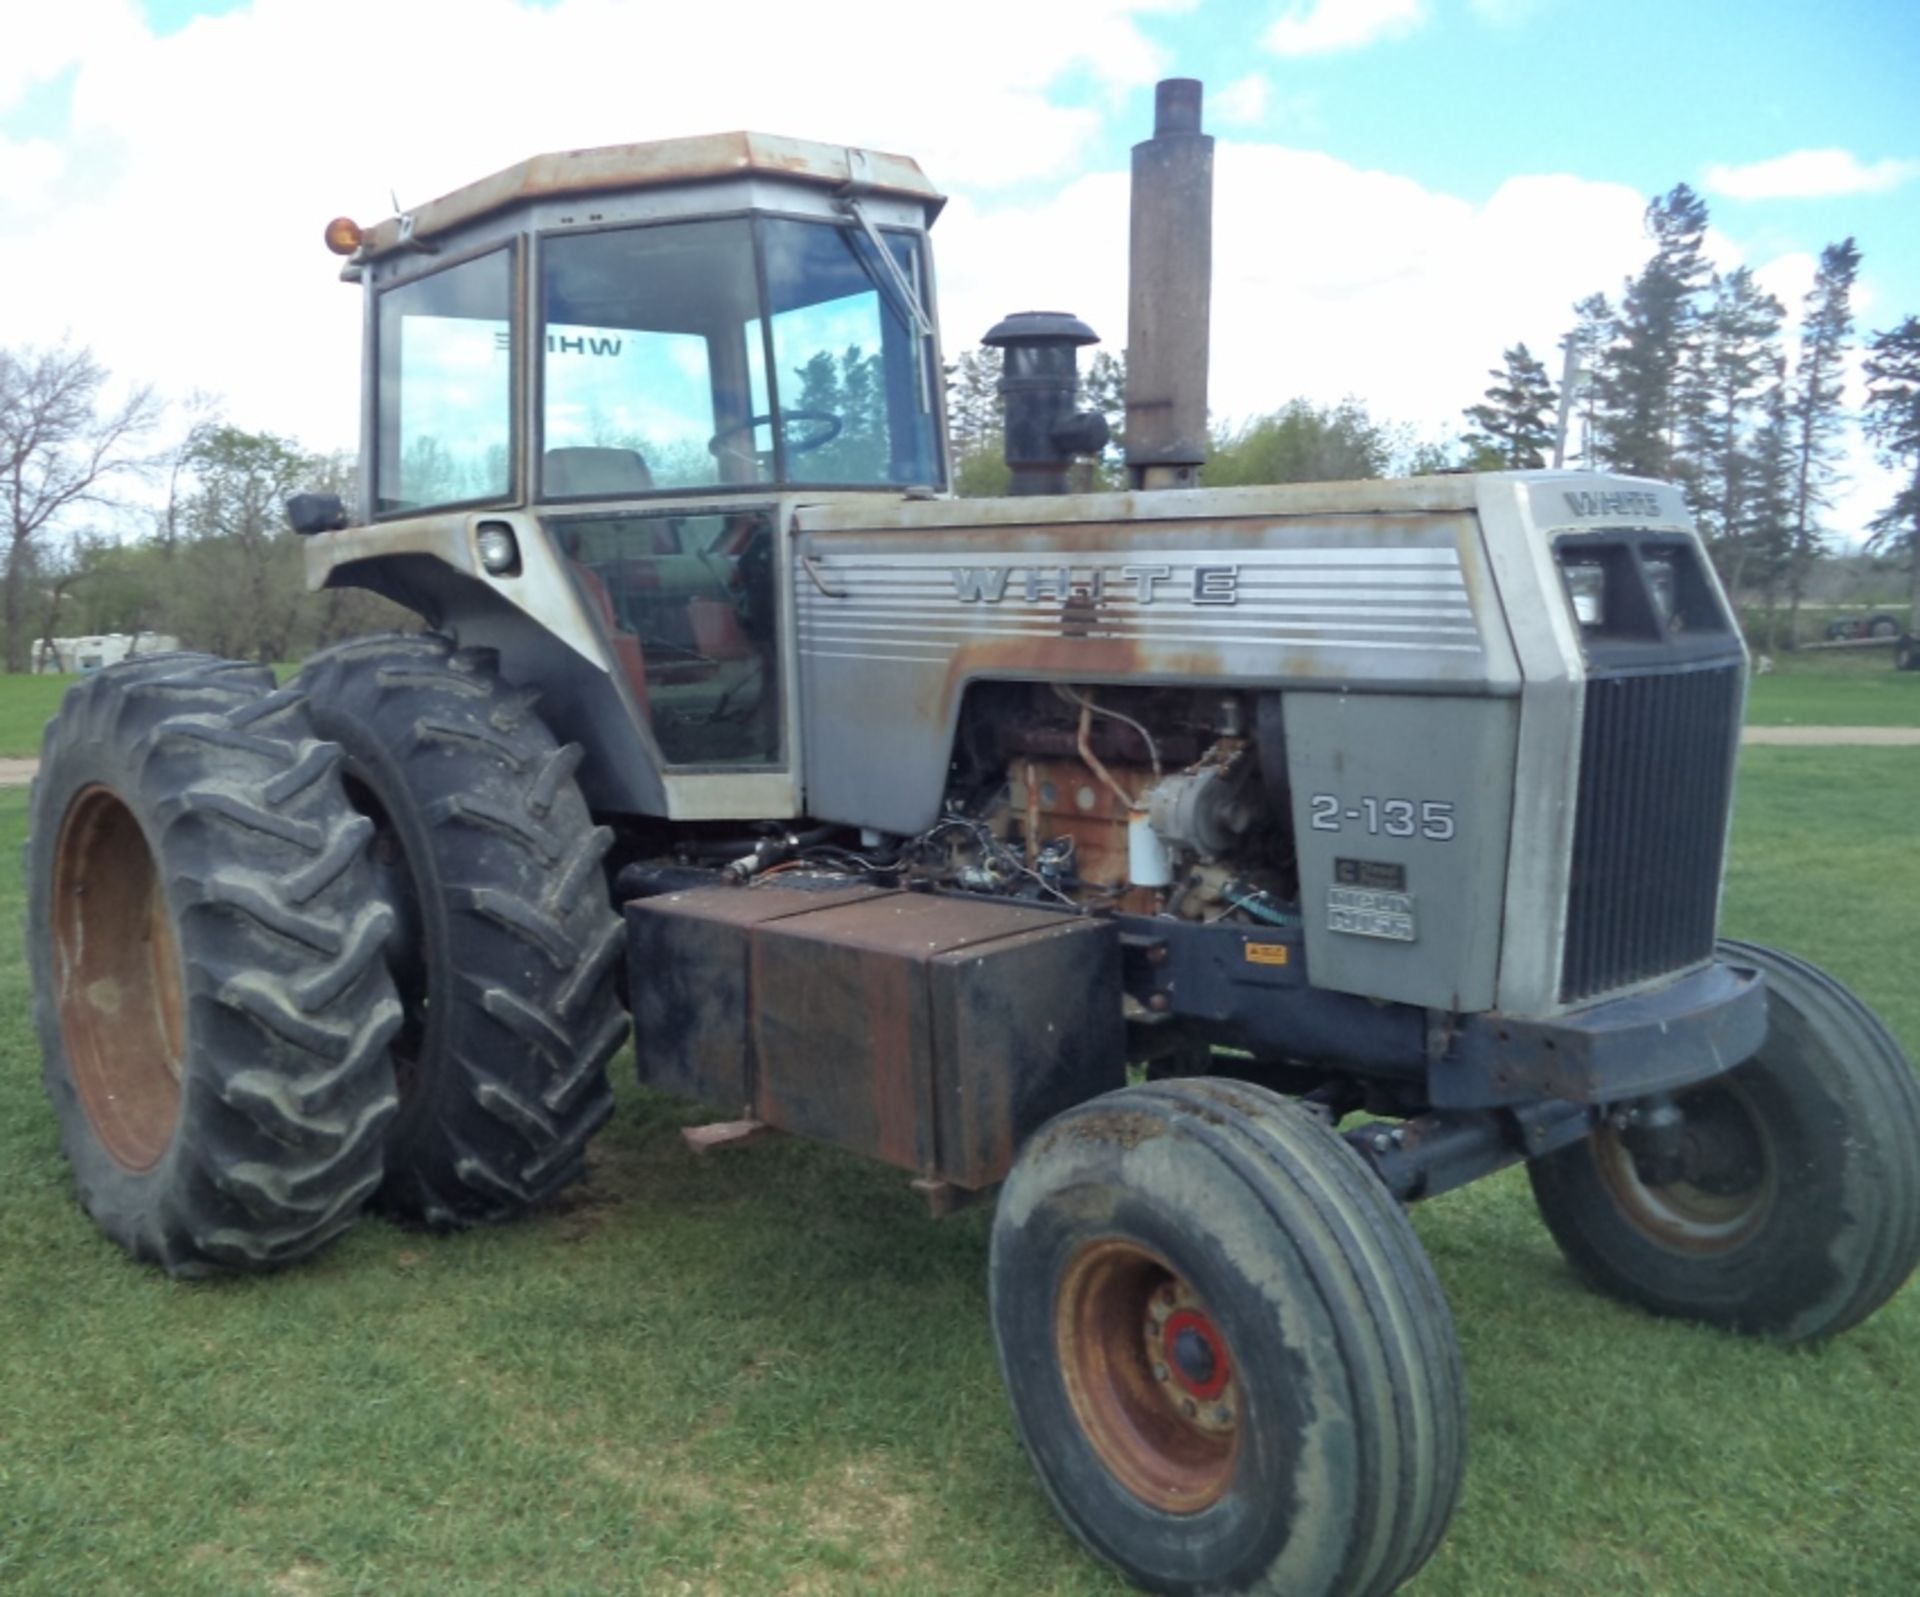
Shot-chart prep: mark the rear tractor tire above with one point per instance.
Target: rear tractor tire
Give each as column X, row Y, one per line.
column 1796, row 1211
column 508, row 945
column 1227, row 1356
column 205, row 946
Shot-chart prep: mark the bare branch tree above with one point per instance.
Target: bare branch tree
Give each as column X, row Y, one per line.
column 60, row 451
column 201, row 418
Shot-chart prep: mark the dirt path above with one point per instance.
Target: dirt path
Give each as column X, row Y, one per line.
column 1886, row 737
column 19, row 772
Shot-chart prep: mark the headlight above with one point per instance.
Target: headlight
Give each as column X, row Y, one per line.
column 1663, row 576
column 1587, row 587
column 498, row 552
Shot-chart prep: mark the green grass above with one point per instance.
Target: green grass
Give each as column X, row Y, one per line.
column 1835, row 687
column 28, row 702
column 769, row 1372
column 26, row 705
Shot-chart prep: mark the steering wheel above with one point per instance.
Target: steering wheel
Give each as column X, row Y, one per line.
column 826, row 425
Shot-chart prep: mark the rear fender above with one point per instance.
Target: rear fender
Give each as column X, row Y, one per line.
column 533, row 616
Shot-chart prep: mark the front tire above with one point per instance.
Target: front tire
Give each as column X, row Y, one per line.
column 1227, row 1356
column 205, row 946
column 1797, row 1210
column 507, row 954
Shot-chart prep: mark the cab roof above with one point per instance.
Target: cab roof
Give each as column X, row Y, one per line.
column 706, row 158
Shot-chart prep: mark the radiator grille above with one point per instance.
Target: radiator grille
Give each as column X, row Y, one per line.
column 1656, row 773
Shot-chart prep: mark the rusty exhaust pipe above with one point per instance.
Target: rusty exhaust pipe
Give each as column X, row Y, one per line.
column 1170, row 293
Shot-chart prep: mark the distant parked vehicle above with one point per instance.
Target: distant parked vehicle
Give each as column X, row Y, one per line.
column 1877, row 625
column 70, row 656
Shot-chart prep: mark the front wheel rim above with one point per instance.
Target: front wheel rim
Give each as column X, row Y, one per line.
column 1149, row 1375
column 1729, row 1178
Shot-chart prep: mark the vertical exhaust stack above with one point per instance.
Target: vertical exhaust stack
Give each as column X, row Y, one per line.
column 1170, row 293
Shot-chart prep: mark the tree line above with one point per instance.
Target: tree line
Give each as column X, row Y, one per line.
column 1687, row 374
column 111, row 526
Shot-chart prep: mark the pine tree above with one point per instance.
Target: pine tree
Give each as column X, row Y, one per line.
column 1516, row 423
column 1640, row 385
column 1591, row 337
column 1103, row 387
column 1817, row 419
column 1740, row 355
column 1765, row 530
column 849, row 388
column 973, row 402
column 1893, row 423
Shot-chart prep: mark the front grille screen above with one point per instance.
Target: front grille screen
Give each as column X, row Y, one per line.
column 1656, row 772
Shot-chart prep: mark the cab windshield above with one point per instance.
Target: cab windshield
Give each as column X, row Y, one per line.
column 728, row 353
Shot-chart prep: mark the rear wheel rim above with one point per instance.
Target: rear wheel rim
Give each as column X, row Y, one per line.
column 1149, row 1375
column 1729, row 1178
column 121, row 998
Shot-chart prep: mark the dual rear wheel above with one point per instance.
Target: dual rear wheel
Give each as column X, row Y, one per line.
column 295, row 950
column 213, row 1006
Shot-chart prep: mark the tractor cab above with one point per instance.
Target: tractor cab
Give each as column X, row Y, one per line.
column 620, row 363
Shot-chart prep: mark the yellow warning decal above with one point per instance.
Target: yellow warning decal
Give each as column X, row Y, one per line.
column 1266, row 953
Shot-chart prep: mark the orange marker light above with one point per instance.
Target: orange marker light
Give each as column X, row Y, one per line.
column 343, row 235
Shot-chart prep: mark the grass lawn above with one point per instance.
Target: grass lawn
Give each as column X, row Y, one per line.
column 1835, row 687
column 26, row 704
column 769, row 1372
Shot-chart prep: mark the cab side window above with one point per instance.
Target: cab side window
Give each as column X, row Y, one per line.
column 689, row 606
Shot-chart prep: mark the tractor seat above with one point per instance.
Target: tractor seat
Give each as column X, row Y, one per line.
column 582, row 472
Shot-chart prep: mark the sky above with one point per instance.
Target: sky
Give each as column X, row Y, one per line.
column 1403, row 187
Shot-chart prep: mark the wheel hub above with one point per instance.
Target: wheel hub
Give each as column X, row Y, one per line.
column 1724, row 1182
column 1183, row 1341
column 1149, row 1374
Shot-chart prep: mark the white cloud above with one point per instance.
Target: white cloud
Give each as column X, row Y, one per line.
column 1807, row 175
column 180, row 236
column 201, row 167
column 1787, row 278
column 42, row 41
column 29, row 169
column 1241, row 103
column 1321, row 27
column 1328, row 280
